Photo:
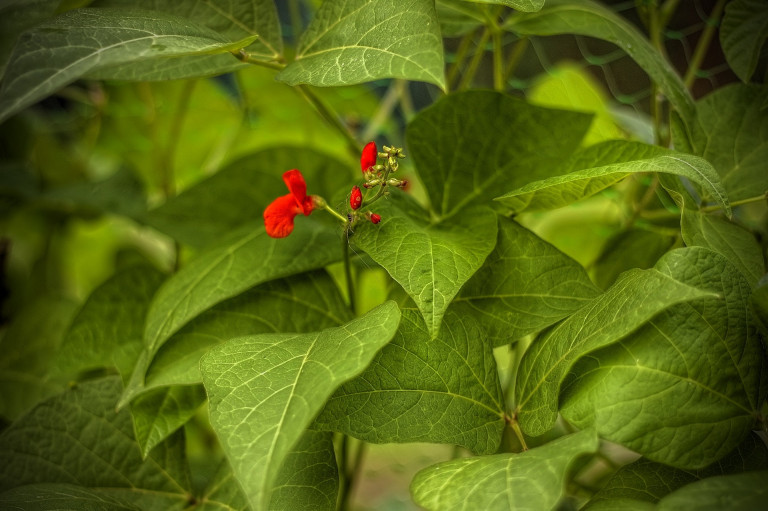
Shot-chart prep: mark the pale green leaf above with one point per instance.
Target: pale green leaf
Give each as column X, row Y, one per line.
column 635, row 298
column 524, row 286
column 656, row 391
column 469, row 144
column 649, row 481
column 588, row 18
column 108, row 329
column 309, row 477
column 743, row 32
column 566, row 188
column 58, row 497
column 740, row 492
column 244, row 259
column 534, row 479
column 158, row 414
column 417, row 389
column 359, row 41
column 235, row 20
column 731, row 132
column 730, row 240
column 239, row 192
column 62, row 49
column 264, row 390
column 223, row 492
column 77, row 438
column 303, row 303
column 430, row 261
column 520, row 5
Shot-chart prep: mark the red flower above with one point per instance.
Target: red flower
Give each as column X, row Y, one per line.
column 368, row 159
column 375, row 218
column 355, row 198
column 279, row 215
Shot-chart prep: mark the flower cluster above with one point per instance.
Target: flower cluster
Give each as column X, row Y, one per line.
column 279, row 216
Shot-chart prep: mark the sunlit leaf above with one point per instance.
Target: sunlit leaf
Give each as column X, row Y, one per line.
column 635, row 298
column 64, row 48
column 264, row 390
column 363, row 40
column 534, row 479
column 588, row 178
column 469, row 144
column 76, row 438
column 430, row 261
column 417, row 389
column 740, row 492
column 656, row 392
column 524, row 286
column 588, row 18
column 520, row 5
column 743, row 32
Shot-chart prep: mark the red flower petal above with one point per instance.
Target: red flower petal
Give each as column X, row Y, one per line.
column 279, row 215
column 375, row 218
column 368, row 159
column 298, row 188
column 355, row 198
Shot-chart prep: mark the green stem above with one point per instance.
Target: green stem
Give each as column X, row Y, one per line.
column 667, row 10
column 461, row 55
column 348, row 271
column 741, row 202
column 406, row 102
column 469, row 75
column 498, row 60
column 512, row 422
column 515, row 57
column 351, row 472
column 703, row 44
column 330, row 117
column 246, row 57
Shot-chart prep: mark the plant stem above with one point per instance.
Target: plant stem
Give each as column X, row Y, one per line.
column 330, row 117
column 757, row 198
column 667, row 10
column 703, row 44
column 348, row 270
column 512, row 422
column 461, row 54
column 515, row 57
column 469, row 75
column 351, row 471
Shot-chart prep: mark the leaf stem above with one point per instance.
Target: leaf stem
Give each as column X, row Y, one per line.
column 351, row 472
column 512, row 422
column 469, row 75
column 716, row 207
column 461, row 55
column 703, row 44
column 515, row 57
column 348, row 270
column 330, row 117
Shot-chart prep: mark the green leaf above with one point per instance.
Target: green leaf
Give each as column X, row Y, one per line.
column 309, row 477
column 759, row 303
column 584, row 17
column 430, row 261
column 417, row 389
column 239, row 192
column 303, row 303
column 469, row 144
column 57, row 497
column 60, row 50
column 520, row 5
column 73, row 438
column 635, row 298
column 158, row 414
column 731, row 132
column 359, row 41
column 16, row 16
column 264, row 390
column 728, row 239
column 223, row 491
column 743, row 32
column 633, row 248
column 571, row 186
column 656, row 391
column 524, row 286
column 646, row 480
column 740, row 492
column 27, row 353
column 244, row 259
column 235, row 20
column 534, row 479
column 458, row 17
column 107, row 331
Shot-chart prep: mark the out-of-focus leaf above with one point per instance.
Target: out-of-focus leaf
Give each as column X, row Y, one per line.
column 739, row 492
column 16, row 16
column 634, row 248
column 743, row 32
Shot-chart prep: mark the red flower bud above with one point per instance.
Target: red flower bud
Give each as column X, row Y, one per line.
column 355, row 198
column 375, row 218
column 368, row 159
